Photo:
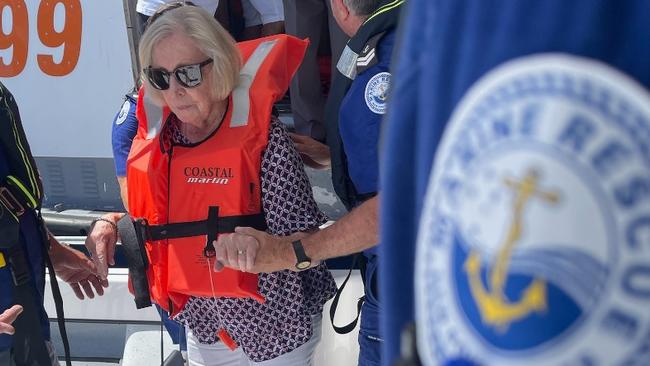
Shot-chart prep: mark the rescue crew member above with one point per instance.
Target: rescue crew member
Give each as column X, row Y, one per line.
column 262, row 18
column 565, row 60
column 124, row 128
column 220, row 146
column 25, row 248
column 356, row 107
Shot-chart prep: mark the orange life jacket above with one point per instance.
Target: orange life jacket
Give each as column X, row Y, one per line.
column 211, row 187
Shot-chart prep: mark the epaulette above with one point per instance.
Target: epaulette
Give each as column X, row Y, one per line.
column 352, row 64
column 368, row 56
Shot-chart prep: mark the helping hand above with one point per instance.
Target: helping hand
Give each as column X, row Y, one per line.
column 314, row 153
column 73, row 267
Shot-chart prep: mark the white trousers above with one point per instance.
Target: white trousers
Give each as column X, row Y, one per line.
column 218, row 354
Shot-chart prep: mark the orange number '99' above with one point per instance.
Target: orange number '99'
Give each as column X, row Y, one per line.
column 69, row 37
column 17, row 39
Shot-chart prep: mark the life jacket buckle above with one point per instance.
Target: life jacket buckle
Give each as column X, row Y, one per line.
column 209, row 251
column 11, row 202
column 212, row 232
column 142, row 228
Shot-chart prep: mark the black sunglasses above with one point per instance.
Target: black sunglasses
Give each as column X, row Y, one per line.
column 188, row 76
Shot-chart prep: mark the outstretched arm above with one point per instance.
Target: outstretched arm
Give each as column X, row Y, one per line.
column 352, row 233
column 75, row 268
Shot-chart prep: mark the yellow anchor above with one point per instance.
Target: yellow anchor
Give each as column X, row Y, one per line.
column 495, row 308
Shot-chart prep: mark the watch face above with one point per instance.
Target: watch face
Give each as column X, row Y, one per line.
column 303, row 265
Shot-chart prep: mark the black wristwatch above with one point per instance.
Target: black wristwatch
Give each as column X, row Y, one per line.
column 302, row 260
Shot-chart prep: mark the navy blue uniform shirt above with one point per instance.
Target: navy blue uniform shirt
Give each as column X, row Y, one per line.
column 125, row 126
column 360, row 116
column 446, row 47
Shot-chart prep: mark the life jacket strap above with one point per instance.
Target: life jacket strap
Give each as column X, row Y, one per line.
column 15, row 199
column 15, row 196
column 213, row 221
column 13, row 203
column 9, row 227
column 134, row 233
column 10, row 201
column 225, row 224
column 335, row 302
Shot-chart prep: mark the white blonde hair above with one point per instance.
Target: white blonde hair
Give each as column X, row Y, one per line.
column 208, row 36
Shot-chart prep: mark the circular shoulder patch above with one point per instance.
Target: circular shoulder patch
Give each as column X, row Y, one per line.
column 377, row 92
column 534, row 240
column 124, row 112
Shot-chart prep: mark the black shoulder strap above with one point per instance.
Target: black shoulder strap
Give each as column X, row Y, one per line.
column 56, row 292
column 335, row 303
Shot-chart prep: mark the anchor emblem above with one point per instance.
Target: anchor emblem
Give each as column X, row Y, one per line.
column 494, row 306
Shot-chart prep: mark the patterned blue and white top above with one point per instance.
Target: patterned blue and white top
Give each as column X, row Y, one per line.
column 283, row 322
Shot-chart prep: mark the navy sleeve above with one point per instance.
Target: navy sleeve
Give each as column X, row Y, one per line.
column 361, row 113
column 125, row 125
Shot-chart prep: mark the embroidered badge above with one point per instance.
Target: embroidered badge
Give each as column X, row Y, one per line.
column 124, row 112
column 531, row 245
column 377, row 92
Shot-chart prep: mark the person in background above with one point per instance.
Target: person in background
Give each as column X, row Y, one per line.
column 515, row 183
column 312, row 19
column 124, row 128
column 146, row 8
column 262, row 18
column 25, row 250
column 357, row 105
column 193, row 66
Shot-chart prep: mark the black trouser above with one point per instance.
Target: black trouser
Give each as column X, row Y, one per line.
column 305, row 19
column 6, row 358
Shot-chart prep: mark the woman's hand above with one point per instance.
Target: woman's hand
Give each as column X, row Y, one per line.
column 8, row 317
column 236, row 251
column 101, row 242
column 314, row 153
column 250, row 250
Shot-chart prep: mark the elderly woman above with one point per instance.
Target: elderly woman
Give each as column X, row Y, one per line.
column 220, row 160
